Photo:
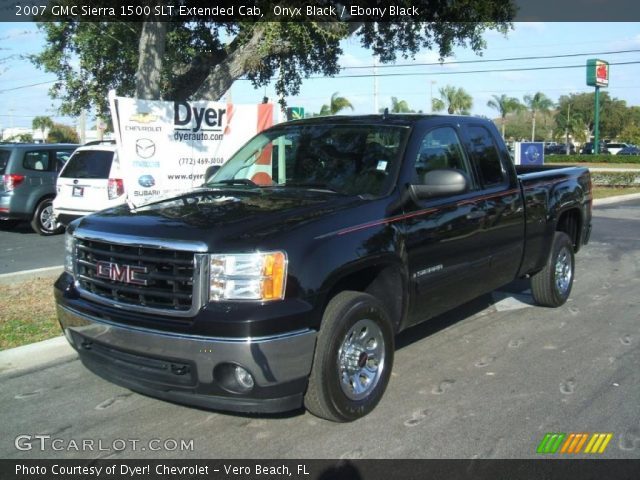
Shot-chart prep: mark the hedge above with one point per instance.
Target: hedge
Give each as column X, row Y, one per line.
column 592, row 159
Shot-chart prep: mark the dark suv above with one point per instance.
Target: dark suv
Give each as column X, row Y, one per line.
column 28, row 183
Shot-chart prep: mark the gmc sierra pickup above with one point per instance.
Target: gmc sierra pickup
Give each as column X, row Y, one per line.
column 282, row 280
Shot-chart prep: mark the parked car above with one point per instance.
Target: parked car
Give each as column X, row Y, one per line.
column 90, row 181
column 559, row 149
column 28, row 174
column 614, row 148
column 266, row 297
column 587, row 149
column 629, row 150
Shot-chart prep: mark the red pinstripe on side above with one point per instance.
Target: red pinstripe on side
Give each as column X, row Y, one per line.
column 418, row 213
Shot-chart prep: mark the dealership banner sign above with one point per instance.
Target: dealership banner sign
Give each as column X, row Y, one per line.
column 167, row 147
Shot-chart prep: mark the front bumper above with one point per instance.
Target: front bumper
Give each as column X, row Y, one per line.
column 187, row 368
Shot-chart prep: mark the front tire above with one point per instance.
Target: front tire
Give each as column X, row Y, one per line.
column 44, row 222
column 552, row 285
column 353, row 358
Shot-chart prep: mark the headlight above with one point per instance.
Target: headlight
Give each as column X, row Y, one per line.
column 69, row 252
column 248, row 276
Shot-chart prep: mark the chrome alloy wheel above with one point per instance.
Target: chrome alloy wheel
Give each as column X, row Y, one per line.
column 361, row 359
column 563, row 271
column 47, row 219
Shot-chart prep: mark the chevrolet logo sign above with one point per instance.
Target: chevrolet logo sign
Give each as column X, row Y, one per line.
column 143, row 117
column 122, row 273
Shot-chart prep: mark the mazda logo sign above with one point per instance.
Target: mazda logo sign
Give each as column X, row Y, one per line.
column 145, row 148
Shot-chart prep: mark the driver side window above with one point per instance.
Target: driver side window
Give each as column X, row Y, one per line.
column 440, row 148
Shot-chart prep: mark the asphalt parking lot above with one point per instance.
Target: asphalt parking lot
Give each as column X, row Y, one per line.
column 487, row 380
column 23, row 249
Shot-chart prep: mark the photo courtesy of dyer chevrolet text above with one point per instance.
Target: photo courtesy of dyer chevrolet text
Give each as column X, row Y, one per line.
column 160, row 469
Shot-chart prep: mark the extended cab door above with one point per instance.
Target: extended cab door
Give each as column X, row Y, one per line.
column 502, row 236
column 442, row 234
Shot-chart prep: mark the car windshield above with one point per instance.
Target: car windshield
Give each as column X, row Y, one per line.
column 345, row 159
column 88, row 164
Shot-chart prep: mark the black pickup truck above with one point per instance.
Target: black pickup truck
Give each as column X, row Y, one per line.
column 282, row 281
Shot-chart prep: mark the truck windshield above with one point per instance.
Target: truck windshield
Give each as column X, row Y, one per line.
column 346, row 159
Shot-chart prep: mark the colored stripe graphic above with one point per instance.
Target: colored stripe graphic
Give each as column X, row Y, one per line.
column 551, row 442
column 573, row 443
column 598, row 443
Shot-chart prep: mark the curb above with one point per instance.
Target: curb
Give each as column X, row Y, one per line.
column 619, row 198
column 35, row 355
column 24, row 275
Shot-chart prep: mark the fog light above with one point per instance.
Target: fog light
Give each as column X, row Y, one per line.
column 244, row 378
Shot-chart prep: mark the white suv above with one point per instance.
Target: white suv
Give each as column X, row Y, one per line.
column 90, row 181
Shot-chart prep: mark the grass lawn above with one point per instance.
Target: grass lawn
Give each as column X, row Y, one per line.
column 634, row 166
column 27, row 313
column 604, row 192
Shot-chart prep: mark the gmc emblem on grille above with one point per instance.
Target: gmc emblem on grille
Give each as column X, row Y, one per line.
column 121, row 273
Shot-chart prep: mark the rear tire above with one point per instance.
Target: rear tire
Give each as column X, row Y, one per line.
column 44, row 222
column 552, row 285
column 353, row 358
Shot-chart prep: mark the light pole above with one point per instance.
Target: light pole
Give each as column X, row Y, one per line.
column 432, row 83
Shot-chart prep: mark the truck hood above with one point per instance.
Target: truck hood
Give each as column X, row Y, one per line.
column 220, row 217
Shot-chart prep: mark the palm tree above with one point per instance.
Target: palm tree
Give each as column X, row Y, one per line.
column 335, row 105
column 454, row 100
column 504, row 105
column 537, row 103
column 399, row 106
column 42, row 123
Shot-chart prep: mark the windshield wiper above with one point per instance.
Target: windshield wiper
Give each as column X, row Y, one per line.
column 318, row 185
column 236, row 181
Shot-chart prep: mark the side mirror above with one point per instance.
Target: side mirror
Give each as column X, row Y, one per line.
column 440, row 183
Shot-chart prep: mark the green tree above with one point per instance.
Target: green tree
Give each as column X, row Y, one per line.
column 41, row 123
column 399, row 106
column 614, row 113
column 504, row 105
column 537, row 103
column 60, row 133
column 336, row 105
column 200, row 58
column 453, row 100
column 21, row 138
column 631, row 134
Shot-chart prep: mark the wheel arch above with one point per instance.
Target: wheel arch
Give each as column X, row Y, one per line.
column 386, row 280
column 570, row 221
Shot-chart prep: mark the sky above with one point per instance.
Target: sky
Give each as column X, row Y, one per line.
column 20, row 102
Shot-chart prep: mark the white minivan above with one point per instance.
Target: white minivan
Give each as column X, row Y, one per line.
column 89, row 182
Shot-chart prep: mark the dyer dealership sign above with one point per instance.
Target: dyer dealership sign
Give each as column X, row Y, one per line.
column 166, row 147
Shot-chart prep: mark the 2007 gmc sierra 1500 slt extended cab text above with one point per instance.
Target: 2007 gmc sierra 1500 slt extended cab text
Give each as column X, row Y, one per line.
column 282, row 281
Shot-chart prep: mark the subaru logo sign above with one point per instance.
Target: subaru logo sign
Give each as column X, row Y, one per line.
column 146, row 181
column 529, row 153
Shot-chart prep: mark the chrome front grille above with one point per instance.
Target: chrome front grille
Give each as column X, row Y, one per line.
column 166, row 281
